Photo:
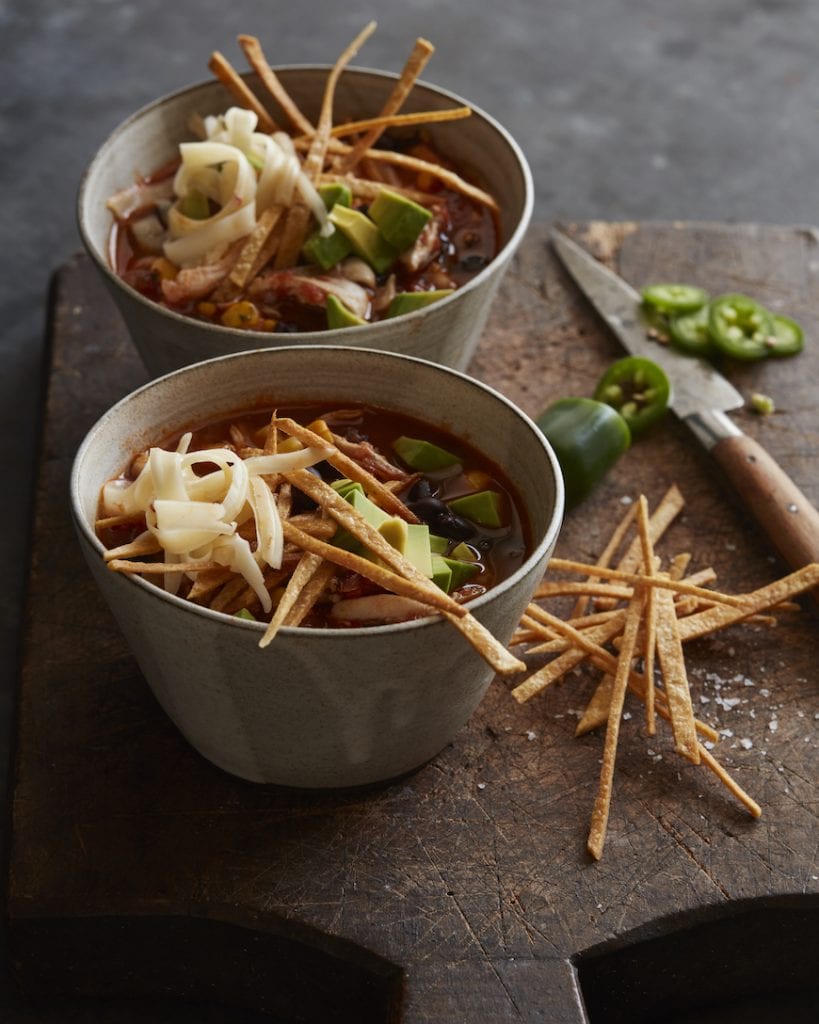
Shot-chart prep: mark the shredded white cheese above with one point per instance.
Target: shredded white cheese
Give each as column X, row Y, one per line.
column 243, row 172
column 195, row 518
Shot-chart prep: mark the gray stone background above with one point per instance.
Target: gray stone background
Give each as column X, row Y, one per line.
column 626, row 109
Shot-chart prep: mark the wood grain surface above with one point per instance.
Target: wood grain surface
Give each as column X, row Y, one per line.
column 462, row 893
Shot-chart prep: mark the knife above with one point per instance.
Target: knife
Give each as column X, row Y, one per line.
column 701, row 397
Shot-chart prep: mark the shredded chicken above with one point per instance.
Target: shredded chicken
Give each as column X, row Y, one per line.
column 141, row 196
column 193, row 283
column 425, row 247
column 366, row 455
column 311, row 288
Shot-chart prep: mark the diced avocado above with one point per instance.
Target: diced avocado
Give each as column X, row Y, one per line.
column 418, row 551
column 365, row 238
column 438, row 545
column 330, row 249
column 462, row 572
column 399, row 219
column 408, row 302
column 394, row 532
column 482, row 507
column 335, row 192
column 371, row 512
column 338, row 315
column 441, row 573
column 195, row 205
column 411, row 539
column 347, row 541
column 327, row 250
column 423, row 455
column 345, row 487
column 244, row 613
column 463, row 552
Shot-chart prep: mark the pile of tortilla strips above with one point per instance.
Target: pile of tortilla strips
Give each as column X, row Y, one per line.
column 636, row 615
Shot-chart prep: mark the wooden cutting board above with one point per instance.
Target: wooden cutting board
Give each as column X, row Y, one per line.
column 462, row 893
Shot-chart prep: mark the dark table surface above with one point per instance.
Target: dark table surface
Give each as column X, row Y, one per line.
column 630, row 109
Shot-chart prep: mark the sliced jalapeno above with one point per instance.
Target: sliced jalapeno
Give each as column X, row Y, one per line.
column 740, row 326
column 787, row 338
column 588, row 438
column 674, row 298
column 691, row 334
column 637, row 388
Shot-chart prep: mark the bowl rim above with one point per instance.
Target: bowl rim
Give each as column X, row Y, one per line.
column 305, row 337
column 550, row 534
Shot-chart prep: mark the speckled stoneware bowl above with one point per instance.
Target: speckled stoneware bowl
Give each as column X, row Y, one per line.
column 318, row 707
column 445, row 332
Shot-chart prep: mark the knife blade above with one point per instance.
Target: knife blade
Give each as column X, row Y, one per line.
column 701, row 397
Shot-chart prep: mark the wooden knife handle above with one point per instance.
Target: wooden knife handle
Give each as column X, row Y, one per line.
column 782, row 510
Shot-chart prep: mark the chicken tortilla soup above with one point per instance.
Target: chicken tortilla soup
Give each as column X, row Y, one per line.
column 307, row 517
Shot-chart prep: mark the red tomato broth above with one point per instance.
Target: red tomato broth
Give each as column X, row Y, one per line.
column 499, row 552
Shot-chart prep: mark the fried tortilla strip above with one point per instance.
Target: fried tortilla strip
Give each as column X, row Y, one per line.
column 229, row 595
column 233, row 82
column 207, row 583
column 417, row 586
column 597, row 710
column 706, row 575
column 638, row 579
column 650, row 611
column 606, row 662
column 554, row 669
column 559, row 588
column 596, row 715
column 257, row 243
column 606, row 556
column 157, row 568
column 310, row 593
column 302, row 574
column 399, row 576
column 443, row 174
column 560, row 642
column 418, row 165
column 415, row 64
column 384, row 497
column 675, row 678
column 252, row 49
column 384, row 121
column 119, row 520
column 679, row 563
column 711, row 762
column 314, row 524
column 298, row 217
column 600, row 813
column 144, row 544
column 709, row 621
column 671, row 504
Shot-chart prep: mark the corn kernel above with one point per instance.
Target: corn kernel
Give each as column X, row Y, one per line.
column 241, row 314
column 320, row 427
column 164, row 268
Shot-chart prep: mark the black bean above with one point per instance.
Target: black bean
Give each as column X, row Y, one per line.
column 422, row 488
column 473, row 263
column 428, row 508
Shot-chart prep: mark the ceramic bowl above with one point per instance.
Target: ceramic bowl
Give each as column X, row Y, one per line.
column 317, row 707
column 446, row 331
